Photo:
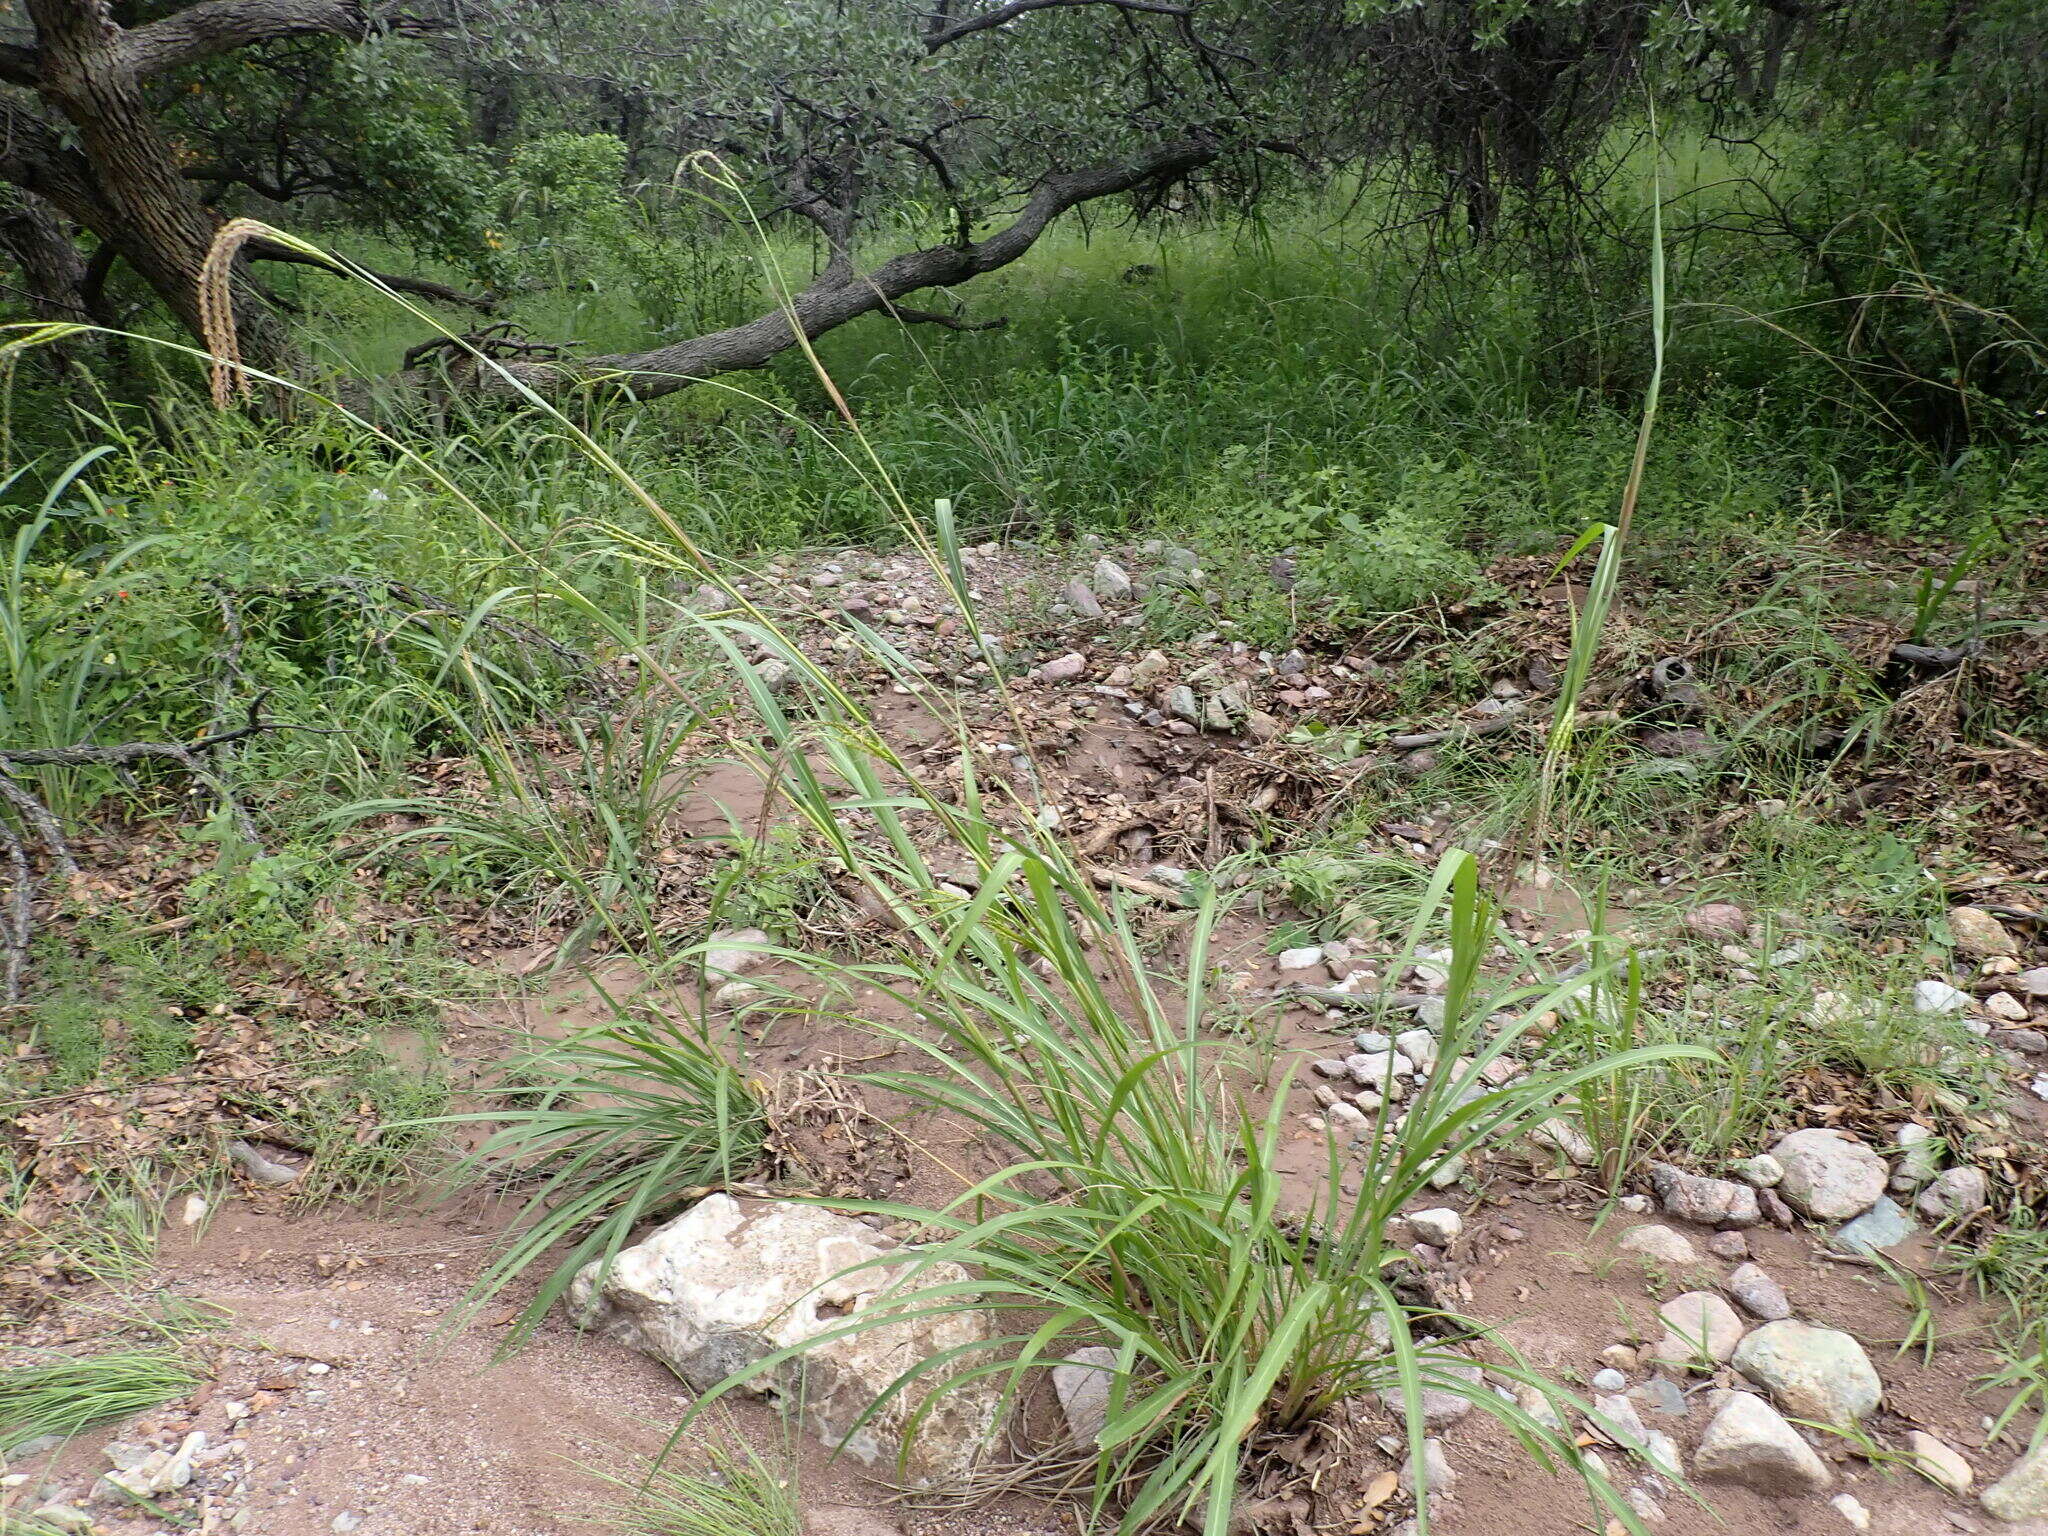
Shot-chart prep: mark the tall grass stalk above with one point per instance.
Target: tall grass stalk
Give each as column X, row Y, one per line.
column 1589, row 618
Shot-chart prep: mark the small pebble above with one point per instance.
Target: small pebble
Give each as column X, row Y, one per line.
column 1728, row 1245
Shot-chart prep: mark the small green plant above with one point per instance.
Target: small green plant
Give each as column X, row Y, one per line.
column 1921, row 1330
column 738, row 1492
column 2009, row 1262
column 607, row 1130
column 1343, row 888
column 68, row 1395
column 775, row 883
column 1143, row 1208
column 2022, row 1370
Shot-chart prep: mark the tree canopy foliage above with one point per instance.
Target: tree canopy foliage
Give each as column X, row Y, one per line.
column 924, row 143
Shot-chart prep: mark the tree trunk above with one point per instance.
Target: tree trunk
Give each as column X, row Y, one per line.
column 53, row 270
column 135, row 199
column 52, row 266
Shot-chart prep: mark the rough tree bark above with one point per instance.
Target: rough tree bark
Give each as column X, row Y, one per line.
column 53, row 270
column 98, row 153
column 51, row 263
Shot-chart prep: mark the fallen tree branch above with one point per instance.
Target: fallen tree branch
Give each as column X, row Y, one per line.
column 398, row 282
column 943, row 35
column 494, row 341
column 839, row 295
column 911, row 316
column 17, row 920
column 1416, row 739
column 135, row 751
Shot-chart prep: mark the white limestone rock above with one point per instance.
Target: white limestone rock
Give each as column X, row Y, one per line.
column 729, row 1282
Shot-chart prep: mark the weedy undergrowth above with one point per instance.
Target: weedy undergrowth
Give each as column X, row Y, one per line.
column 606, row 1131
column 1146, row 1209
column 67, row 1395
column 738, row 1492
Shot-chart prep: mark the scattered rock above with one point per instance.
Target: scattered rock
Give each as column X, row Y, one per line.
column 1440, row 1406
column 151, row 1473
column 1083, row 1385
column 1707, row 1202
column 1150, row 669
column 2003, row 1005
column 1698, row 1323
column 63, row 1517
column 1440, row 1227
column 1811, row 1373
column 1718, row 920
column 1662, row 1452
column 1080, row 597
column 1939, row 1462
column 1181, row 703
column 1749, row 1442
column 1760, row 1172
column 1662, row 1244
column 1609, row 1380
column 1732, row 1246
column 1111, row 581
column 1437, row 1476
column 1884, row 1225
column 726, row 952
column 1933, row 998
column 1759, row 1295
column 1920, row 1156
column 728, row 1282
column 1851, row 1509
column 1980, row 935
column 1664, row 1396
column 1350, row 1119
column 1957, row 1193
column 2033, row 983
column 1776, row 1211
column 1305, row 958
column 1616, row 1420
column 1829, row 1174
column 1064, row 669
column 2022, row 1494
column 1376, row 1072
column 1419, row 1046
column 1539, row 1408
column 737, row 994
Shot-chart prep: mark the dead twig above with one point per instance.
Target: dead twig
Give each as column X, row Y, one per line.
column 17, row 924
